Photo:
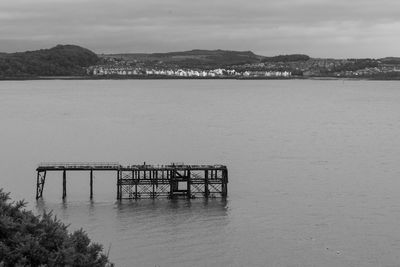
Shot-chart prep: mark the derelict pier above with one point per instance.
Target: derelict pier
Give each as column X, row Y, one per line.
column 146, row 181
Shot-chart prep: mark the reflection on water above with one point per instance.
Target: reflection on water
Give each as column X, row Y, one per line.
column 163, row 232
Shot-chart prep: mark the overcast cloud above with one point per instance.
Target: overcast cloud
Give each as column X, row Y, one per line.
column 323, row 28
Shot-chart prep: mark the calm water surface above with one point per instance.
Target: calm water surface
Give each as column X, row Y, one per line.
column 314, row 167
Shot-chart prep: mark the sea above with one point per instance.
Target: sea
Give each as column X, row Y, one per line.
column 314, row 167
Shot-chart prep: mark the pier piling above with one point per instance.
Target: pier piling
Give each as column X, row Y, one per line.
column 64, row 183
column 91, row 184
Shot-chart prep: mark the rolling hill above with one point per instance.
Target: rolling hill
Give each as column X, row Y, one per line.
column 197, row 57
column 61, row 60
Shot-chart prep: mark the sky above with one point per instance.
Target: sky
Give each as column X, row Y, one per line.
column 319, row 28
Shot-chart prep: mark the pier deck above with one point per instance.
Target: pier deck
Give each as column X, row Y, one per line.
column 147, row 181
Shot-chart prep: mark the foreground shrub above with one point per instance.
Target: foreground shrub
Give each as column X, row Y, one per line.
column 30, row 240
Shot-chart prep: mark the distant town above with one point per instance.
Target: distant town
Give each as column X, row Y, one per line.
column 71, row 61
column 104, row 70
column 280, row 67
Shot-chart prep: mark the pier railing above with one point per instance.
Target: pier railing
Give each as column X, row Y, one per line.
column 79, row 165
column 116, row 165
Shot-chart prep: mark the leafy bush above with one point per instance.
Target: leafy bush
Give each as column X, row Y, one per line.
column 30, row 240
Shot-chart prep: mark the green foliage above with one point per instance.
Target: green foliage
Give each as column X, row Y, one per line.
column 62, row 60
column 287, row 58
column 390, row 60
column 357, row 64
column 194, row 59
column 29, row 240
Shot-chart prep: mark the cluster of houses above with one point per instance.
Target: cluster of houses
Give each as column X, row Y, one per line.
column 126, row 71
column 368, row 71
column 283, row 74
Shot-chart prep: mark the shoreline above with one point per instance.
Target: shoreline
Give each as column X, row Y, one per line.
column 115, row 77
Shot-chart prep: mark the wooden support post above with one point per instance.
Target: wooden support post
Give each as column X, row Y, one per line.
column 64, row 195
column 91, row 184
column 156, row 179
column 189, row 182
column 133, row 181
column 37, row 186
column 118, row 186
column 176, row 183
column 42, row 180
column 206, row 192
column 136, row 184
column 153, row 182
column 171, row 183
column 225, row 183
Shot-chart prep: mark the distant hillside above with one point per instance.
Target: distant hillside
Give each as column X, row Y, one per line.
column 62, row 60
column 287, row 58
column 198, row 58
column 390, row 60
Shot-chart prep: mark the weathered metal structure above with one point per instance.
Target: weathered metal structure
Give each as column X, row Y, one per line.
column 147, row 181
